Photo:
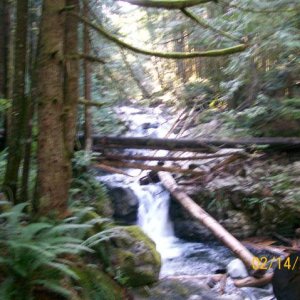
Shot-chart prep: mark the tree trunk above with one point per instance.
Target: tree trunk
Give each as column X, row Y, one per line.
column 71, row 78
column 33, row 41
column 87, row 85
column 16, row 139
column 4, row 47
column 53, row 176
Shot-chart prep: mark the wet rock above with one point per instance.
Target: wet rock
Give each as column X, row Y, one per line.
column 130, row 255
column 239, row 224
column 185, row 227
column 237, row 269
column 231, row 297
column 125, row 204
column 178, row 289
column 265, row 293
column 149, row 125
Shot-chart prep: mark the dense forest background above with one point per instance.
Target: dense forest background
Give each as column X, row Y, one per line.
column 66, row 64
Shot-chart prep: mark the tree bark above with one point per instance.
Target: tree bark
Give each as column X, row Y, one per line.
column 32, row 50
column 53, row 161
column 88, row 141
column 16, row 138
column 4, row 47
column 71, row 73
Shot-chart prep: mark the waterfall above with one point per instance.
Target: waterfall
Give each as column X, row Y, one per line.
column 153, row 218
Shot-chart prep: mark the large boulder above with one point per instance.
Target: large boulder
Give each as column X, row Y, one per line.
column 125, row 204
column 130, row 255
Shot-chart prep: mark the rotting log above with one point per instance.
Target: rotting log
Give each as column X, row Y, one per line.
column 193, row 145
column 209, row 222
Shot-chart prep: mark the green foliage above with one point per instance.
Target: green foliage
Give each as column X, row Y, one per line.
column 105, row 121
column 34, row 256
column 267, row 117
column 85, row 189
column 96, row 285
column 4, row 104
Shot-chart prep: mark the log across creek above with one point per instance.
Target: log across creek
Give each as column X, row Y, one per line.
column 206, row 145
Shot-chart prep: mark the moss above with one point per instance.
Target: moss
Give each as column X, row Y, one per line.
column 130, row 255
column 138, row 234
column 137, row 268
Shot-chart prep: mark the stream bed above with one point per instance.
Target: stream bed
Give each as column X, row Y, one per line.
column 179, row 258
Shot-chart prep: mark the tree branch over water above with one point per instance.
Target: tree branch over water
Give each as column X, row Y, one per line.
column 171, row 55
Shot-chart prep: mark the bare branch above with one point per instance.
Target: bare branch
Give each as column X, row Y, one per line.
column 171, row 55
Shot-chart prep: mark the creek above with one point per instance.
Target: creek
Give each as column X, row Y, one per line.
column 178, row 256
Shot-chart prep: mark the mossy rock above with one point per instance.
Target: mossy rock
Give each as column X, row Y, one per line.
column 130, row 255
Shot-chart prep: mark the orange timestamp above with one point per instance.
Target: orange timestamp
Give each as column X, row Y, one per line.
column 265, row 263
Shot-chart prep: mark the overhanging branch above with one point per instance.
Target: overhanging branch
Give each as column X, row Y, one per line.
column 167, row 4
column 200, row 21
column 173, row 55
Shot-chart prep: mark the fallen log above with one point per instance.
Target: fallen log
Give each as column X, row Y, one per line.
column 132, row 165
column 193, row 145
column 111, row 169
column 167, row 158
column 208, row 221
column 253, row 282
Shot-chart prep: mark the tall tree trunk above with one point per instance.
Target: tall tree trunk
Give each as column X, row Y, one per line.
column 87, row 85
column 31, row 105
column 71, row 78
column 4, row 47
column 19, row 106
column 180, row 64
column 53, row 176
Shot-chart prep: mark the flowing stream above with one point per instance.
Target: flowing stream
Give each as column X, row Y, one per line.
column 179, row 257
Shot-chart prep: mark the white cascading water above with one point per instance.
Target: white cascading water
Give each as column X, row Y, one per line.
column 153, row 218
